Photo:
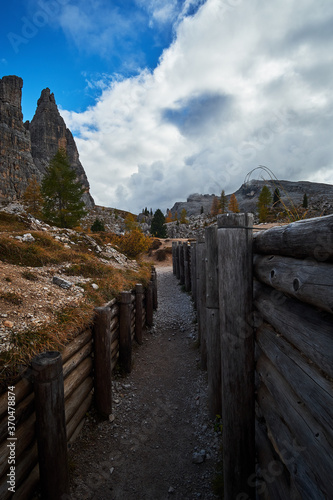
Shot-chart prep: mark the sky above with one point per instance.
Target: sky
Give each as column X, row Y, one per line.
column 166, row 98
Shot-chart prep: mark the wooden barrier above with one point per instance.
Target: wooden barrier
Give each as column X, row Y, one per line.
column 291, row 310
column 50, row 425
column 101, row 343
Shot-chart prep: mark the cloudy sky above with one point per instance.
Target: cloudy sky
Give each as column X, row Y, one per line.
column 172, row 97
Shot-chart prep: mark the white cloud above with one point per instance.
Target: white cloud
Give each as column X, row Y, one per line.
column 244, row 83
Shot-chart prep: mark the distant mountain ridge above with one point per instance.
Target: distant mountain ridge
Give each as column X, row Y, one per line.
column 320, row 197
column 26, row 149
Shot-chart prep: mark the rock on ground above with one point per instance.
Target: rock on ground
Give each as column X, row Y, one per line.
column 160, row 443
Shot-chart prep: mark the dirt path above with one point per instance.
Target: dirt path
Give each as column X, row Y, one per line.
column 161, row 444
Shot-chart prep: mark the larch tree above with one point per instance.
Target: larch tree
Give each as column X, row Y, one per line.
column 264, row 204
column 32, row 198
column 63, row 205
column 233, row 204
column 215, row 208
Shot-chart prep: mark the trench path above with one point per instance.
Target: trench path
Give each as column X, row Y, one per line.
column 161, row 443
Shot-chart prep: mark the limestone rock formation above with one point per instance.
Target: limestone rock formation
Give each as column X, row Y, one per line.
column 26, row 149
column 16, row 162
column 48, row 134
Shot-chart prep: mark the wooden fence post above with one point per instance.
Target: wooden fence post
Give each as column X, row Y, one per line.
column 138, row 312
column 154, row 280
column 102, row 360
column 194, row 273
column 181, row 265
column 174, row 253
column 187, row 276
column 201, row 300
column 177, row 260
column 50, row 425
column 213, row 324
column 149, row 304
column 237, row 351
column 125, row 337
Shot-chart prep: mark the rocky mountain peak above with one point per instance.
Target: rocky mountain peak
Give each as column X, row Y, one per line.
column 16, row 162
column 26, row 149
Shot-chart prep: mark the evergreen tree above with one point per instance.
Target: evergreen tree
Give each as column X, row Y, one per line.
column 223, row 202
column 305, row 201
column 97, row 226
column 264, row 203
column 276, row 197
column 158, row 227
column 32, row 198
column 62, row 194
column 233, row 204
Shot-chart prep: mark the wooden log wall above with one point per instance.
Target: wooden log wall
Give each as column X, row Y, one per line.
column 293, row 296
column 292, row 316
column 78, row 380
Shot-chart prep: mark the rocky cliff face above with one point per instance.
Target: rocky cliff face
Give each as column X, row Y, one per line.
column 48, row 134
column 26, row 149
column 16, row 162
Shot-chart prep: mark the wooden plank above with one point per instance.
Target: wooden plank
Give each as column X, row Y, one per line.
column 76, row 344
column 25, row 435
column 22, row 389
column 237, row 351
column 23, row 410
column 273, row 479
column 77, row 397
column 307, row 238
column 78, row 416
column 306, row 280
column 72, row 381
column 316, row 450
column 305, row 379
column 73, row 362
column 290, row 451
column 309, row 330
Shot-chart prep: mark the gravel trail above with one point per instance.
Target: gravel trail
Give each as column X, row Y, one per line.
column 161, row 443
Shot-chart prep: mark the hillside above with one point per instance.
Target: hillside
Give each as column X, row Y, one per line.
column 320, row 197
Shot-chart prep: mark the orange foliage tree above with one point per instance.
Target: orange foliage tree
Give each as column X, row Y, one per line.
column 233, row 204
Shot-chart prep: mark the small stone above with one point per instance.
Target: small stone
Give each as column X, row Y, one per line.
column 8, row 324
column 111, row 470
column 28, row 237
column 171, row 490
column 197, row 458
column 95, row 287
column 61, row 282
column 111, row 418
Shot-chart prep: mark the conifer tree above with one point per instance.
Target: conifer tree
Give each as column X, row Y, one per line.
column 223, row 202
column 32, row 198
column 264, row 203
column 305, row 201
column 276, row 197
column 62, row 193
column 158, row 227
column 233, row 204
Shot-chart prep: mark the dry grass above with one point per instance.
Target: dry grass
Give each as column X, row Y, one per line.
column 46, row 250
column 53, row 336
